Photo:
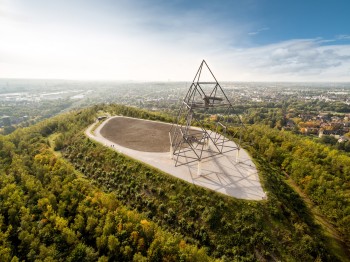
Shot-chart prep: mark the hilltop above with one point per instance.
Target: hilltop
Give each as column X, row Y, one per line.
column 65, row 197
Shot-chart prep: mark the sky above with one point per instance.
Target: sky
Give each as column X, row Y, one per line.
column 154, row 40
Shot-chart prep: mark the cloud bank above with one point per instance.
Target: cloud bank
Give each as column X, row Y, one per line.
column 298, row 60
column 129, row 41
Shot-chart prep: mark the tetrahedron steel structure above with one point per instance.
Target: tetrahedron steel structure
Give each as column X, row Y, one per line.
column 204, row 102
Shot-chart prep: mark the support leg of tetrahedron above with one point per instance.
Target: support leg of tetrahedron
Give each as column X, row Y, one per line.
column 171, row 154
column 237, row 156
column 206, row 145
column 199, row 168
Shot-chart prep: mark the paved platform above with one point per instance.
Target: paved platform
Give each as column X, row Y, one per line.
column 224, row 173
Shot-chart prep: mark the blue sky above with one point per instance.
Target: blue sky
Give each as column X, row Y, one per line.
column 251, row 40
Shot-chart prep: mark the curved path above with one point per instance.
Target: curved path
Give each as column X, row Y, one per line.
column 222, row 173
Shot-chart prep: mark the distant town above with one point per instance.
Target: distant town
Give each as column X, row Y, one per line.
column 317, row 109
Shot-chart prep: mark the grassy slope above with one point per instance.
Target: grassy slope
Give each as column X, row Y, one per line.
column 46, row 207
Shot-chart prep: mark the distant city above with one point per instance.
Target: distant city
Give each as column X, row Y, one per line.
column 307, row 108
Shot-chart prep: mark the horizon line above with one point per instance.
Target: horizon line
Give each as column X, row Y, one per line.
column 163, row 81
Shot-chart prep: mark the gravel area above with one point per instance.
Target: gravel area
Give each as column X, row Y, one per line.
column 141, row 135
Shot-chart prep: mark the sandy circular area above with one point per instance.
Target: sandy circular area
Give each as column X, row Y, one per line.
column 138, row 134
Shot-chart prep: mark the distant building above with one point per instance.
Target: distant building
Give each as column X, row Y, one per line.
column 335, row 133
column 312, row 130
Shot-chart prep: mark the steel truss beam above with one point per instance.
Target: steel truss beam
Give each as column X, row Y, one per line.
column 188, row 143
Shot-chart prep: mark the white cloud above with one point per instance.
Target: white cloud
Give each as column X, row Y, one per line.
column 343, row 37
column 149, row 44
column 299, row 60
column 258, row 31
column 133, row 44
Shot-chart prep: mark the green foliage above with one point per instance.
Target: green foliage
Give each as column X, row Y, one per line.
column 50, row 211
column 331, row 140
column 321, row 172
column 228, row 227
column 34, row 112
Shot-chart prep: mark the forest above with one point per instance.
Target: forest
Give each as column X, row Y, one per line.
column 66, row 198
column 50, row 212
column 321, row 172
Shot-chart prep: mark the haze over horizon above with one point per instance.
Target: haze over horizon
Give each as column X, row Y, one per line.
column 159, row 41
